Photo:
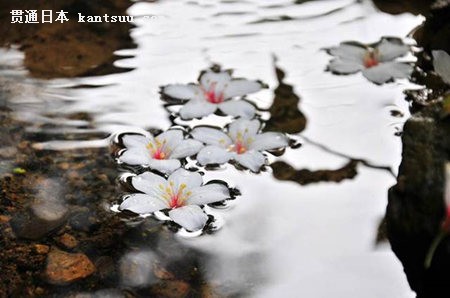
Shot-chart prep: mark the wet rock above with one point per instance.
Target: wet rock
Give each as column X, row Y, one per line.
column 401, row 6
column 41, row 249
column 416, row 203
column 50, row 210
column 28, row 225
column 434, row 33
column 68, row 241
column 63, row 267
column 47, row 213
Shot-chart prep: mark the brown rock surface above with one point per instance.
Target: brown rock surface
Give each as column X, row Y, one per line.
column 41, row 249
column 171, row 289
column 68, row 241
column 63, row 267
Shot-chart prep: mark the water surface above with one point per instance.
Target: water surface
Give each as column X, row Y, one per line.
column 279, row 237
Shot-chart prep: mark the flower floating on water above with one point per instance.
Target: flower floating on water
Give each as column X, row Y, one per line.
column 376, row 62
column 243, row 143
column 161, row 153
column 216, row 90
column 441, row 63
column 183, row 193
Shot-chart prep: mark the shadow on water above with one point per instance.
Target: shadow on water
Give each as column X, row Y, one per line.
column 286, row 117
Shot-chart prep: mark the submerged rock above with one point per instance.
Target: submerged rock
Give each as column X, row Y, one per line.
column 68, row 241
column 29, row 226
column 46, row 214
column 63, row 267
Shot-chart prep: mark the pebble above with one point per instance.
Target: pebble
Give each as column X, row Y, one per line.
column 41, row 249
column 63, row 267
column 68, row 241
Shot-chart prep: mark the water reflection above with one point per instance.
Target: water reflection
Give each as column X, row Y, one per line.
column 278, row 237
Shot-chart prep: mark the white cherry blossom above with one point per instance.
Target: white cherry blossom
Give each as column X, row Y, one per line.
column 183, row 192
column 215, row 90
column 161, row 153
column 377, row 63
column 242, row 143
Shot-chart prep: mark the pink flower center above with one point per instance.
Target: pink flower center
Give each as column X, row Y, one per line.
column 239, row 148
column 241, row 142
column 175, row 198
column 159, row 154
column 175, row 202
column 370, row 59
column 159, row 150
column 212, row 96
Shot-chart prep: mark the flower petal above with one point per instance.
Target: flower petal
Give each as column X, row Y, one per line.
column 244, row 128
column 441, row 63
column 213, row 155
column 344, row 66
column 268, row 141
column 190, row 217
column 182, row 176
column 220, row 78
column 180, row 91
column 211, row 136
column 241, row 87
column 349, row 52
column 134, row 140
column 149, row 183
column 209, row 193
column 142, row 204
column 186, row 148
column 252, row 160
column 387, row 71
column 389, row 49
column 135, row 157
column 170, row 139
column 238, row 108
column 197, row 108
column 165, row 166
